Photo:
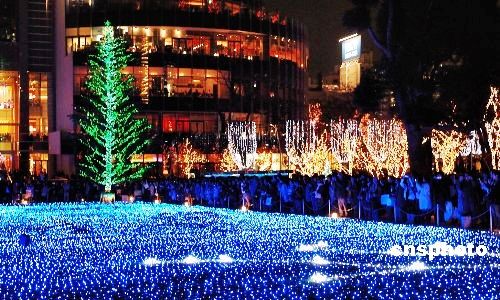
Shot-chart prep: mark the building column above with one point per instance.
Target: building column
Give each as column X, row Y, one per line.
column 22, row 36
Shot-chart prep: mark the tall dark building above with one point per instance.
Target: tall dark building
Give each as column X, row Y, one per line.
column 199, row 63
column 26, row 83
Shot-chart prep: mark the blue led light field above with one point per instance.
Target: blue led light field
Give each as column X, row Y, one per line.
column 142, row 251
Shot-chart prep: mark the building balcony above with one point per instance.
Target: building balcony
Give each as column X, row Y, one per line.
column 168, row 58
column 123, row 16
column 192, row 103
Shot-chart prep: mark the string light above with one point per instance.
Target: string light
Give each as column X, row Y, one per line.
column 446, row 146
column 242, row 143
column 384, row 147
column 472, row 145
column 264, row 160
column 417, row 266
column 493, row 127
column 225, row 259
column 227, row 163
column 320, row 261
column 191, row 260
column 144, row 251
column 318, row 277
column 151, row 261
column 145, row 71
column 189, row 157
column 344, row 135
column 306, row 151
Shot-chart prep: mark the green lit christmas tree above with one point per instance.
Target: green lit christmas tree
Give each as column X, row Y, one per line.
column 111, row 133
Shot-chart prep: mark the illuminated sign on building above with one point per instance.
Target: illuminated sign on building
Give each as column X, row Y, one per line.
column 351, row 47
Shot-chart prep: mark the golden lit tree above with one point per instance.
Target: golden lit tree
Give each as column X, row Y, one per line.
column 446, row 146
column 188, row 157
column 306, row 151
column 227, row 163
column 264, row 160
column 383, row 146
column 493, row 127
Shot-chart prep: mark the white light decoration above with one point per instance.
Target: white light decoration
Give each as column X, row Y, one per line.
column 322, row 244
column 242, row 143
column 306, row 248
column 344, row 135
column 145, row 78
column 417, row 266
column 300, row 136
column 151, row 262
column 446, row 146
column 395, row 251
column 320, row 261
column 306, row 151
column 225, row 259
column 493, row 127
column 472, row 145
column 386, row 147
column 191, row 260
column 318, row 277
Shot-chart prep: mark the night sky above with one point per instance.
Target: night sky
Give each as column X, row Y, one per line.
column 323, row 19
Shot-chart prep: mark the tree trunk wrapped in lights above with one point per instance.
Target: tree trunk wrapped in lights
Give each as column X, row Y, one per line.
column 344, row 137
column 446, row 147
column 112, row 134
column 242, row 143
column 308, row 152
column 492, row 126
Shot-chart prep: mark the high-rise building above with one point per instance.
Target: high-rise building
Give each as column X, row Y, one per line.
column 197, row 64
column 26, row 83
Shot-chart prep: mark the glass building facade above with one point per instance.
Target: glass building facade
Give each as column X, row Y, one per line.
column 26, row 72
column 198, row 64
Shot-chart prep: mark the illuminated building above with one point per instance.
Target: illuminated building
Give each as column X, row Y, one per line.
column 26, row 83
column 350, row 70
column 198, row 64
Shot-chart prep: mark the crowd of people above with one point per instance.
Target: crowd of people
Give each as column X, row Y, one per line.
column 462, row 199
